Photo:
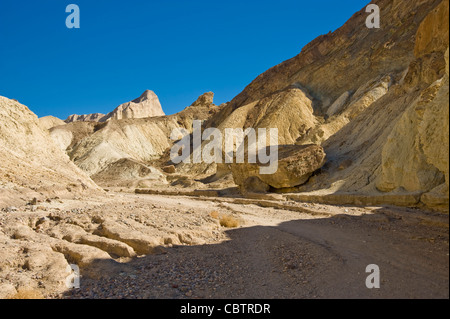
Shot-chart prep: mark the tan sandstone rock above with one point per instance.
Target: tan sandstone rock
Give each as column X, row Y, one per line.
column 141, row 243
column 94, row 117
column 31, row 163
column 295, row 165
column 48, row 122
column 416, row 154
column 432, row 34
column 147, row 105
column 371, row 94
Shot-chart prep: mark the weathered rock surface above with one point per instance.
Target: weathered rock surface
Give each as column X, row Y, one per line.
column 130, row 173
column 385, row 133
column 374, row 99
column 95, row 146
column 147, row 105
column 416, row 147
column 254, row 184
column 170, row 169
column 31, row 163
column 100, row 235
column 94, row 117
column 432, row 35
column 206, row 99
column 415, row 156
column 141, row 243
column 376, row 128
column 77, row 235
column 48, row 122
column 296, row 163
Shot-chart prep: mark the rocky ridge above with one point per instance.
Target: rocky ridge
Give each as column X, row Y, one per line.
column 396, row 70
column 94, row 147
column 147, row 105
column 398, row 76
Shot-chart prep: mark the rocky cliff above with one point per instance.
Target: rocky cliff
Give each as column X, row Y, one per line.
column 375, row 99
column 94, row 117
column 147, row 105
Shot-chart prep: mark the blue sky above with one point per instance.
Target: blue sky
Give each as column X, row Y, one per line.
column 177, row 48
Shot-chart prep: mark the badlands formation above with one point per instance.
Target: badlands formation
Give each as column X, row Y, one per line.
column 147, row 105
column 363, row 176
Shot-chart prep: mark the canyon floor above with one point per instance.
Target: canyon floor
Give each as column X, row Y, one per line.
column 362, row 119
column 273, row 249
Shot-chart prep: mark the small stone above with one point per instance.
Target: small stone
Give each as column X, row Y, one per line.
column 169, row 169
column 291, row 266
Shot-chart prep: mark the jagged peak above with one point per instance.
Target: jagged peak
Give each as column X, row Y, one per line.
column 147, row 95
column 204, row 99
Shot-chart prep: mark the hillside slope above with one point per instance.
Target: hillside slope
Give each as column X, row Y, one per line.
column 31, row 164
column 97, row 147
column 376, row 100
column 370, row 97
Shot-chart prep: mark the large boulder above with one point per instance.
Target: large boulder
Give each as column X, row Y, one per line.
column 296, row 164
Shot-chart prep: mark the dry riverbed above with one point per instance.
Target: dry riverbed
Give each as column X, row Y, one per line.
column 153, row 246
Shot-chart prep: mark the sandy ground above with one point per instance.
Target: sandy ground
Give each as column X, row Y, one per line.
column 296, row 251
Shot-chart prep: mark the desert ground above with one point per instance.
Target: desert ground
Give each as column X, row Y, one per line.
column 264, row 248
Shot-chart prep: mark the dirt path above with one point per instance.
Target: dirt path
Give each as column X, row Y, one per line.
column 279, row 253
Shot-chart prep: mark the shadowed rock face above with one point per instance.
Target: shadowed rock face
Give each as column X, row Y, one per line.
column 415, row 156
column 374, row 99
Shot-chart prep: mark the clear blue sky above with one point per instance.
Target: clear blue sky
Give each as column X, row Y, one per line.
column 177, row 48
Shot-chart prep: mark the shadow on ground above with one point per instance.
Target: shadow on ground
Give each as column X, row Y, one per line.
column 318, row 258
